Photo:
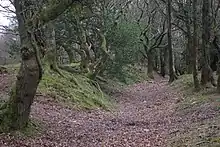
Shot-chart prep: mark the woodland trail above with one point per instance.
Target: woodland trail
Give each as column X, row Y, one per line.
column 143, row 118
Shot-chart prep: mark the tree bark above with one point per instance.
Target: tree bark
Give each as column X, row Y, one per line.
column 17, row 110
column 169, row 36
column 51, row 56
column 195, row 47
column 188, row 58
column 188, row 53
column 150, row 64
column 218, row 81
column 162, row 71
column 99, row 66
column 207, row 73
column 164, row 58
column 156, row 61
column 215, row 43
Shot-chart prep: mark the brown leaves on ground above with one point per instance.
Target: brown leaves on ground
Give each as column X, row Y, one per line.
column 144, row 117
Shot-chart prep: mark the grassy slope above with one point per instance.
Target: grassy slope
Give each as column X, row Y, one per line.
column 78, row 90
column 72, row 89
column 201, row 112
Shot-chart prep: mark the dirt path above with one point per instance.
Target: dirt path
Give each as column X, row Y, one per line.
column 143, row 118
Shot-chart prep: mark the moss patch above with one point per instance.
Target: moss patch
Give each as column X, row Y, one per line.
column 78, row 89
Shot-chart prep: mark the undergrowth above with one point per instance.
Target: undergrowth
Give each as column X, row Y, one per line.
column 128, row 75
column 115, row 81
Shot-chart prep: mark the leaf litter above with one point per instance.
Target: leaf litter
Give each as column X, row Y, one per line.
column 144, row 117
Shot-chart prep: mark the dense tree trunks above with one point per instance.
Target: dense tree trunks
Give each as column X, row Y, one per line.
column 150, row 64
column 169, row 36
column 207, row 73
column 195, row 46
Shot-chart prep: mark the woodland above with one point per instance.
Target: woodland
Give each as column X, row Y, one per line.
column 101, row 73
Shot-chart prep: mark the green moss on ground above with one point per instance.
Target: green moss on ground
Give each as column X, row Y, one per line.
column 80, row 90
column 75, row 88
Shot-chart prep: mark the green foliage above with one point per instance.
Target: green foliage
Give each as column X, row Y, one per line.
column 129, row 75
column 124, row 47
column 124, row 43
column 77, row 89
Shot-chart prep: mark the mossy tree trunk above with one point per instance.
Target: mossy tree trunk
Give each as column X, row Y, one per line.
column 17, row 109
column 51, row 56
column 100, row 64
column 15, row 113
column 85, row 47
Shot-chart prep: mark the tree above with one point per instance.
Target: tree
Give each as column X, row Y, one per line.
column 169, row 36
column 30, row 19
column 206, row 73
column 195, row 46
column 152, row 32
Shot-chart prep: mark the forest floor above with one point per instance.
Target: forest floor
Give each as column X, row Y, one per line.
column 146, row 115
